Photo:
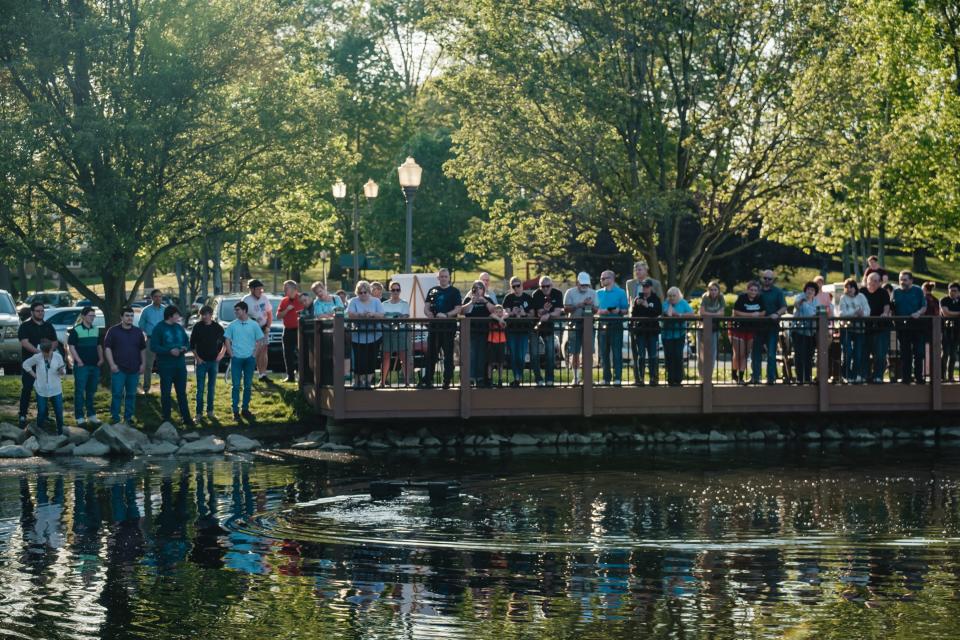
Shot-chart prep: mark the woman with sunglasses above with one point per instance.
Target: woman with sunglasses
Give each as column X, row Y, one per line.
column 519, row 309
column 366, row 335
column 397, row 337
column 478, row 305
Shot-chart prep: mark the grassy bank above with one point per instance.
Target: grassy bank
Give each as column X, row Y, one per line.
column 274, row 403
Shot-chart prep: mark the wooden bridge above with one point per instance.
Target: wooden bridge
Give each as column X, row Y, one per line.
column 324, row 377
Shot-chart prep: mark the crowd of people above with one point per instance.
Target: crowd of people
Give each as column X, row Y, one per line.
column 508, row 334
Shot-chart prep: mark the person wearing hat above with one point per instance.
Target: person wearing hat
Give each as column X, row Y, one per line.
column 645, row 333
column 261, row 312
column 576, row 301
column 640, row 273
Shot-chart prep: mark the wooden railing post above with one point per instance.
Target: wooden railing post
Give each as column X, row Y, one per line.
column 465, row 390
column 586, row 364
column 936, row 361
column 339, row 375
column 316, row 369
column 706, row 375
column 823, row 362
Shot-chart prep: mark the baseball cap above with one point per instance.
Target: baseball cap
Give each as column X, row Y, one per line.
column 254, row 283
column 646, row 282
column 583, row 278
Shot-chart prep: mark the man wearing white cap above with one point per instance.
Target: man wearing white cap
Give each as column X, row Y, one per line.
column 576, row 301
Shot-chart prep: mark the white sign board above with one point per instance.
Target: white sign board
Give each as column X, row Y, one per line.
column 413, row 289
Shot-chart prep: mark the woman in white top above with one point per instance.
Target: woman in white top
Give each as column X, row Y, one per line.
column 853, row 305
column 365, row 334
column 48, row 368
column 397, row 336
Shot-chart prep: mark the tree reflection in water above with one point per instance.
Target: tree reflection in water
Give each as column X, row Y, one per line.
column 660, row 543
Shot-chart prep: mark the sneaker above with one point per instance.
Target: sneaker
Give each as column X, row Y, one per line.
column 94, row 420
column 289, row 379
column 211, row 415
column 246, row 414
column 81, row 422
column 236, row 416
column 446, row 384
column 576, row 377
column 616, row 382
column 263, row 375
column 540, row 383
column 22, row 421
column 189, row 423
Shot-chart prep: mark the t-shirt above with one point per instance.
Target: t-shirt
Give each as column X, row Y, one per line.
column 125, row 346
column 710, row 305
column 772, row 300
column 908, row 301
column 85, row 342
column 803, row 308
column 326, row 307
column 878, row 300
column 615, row 299
column 292, row 319
column 523, row 301
column 150, row 317
column 34, row 332
column 543, row 303
column 746, row 305
column 933, row 305
column 396, row 309
column 442, row 299
column 166, row 337
column 574, row 296
column 259, row 309
column 951, row 325
column 206, row 340
column 243, row 336
column 674, row 328
column 366, row 330
column 478, row 310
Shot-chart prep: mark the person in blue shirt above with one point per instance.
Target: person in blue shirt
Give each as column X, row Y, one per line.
column 170, row 342
column 150, row 317
column 240, row 339
column 612, row 305
column 910, row 302
column 773, row 303
column 675, row 334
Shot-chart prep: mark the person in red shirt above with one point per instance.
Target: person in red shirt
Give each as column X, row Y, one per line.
column 289, row 311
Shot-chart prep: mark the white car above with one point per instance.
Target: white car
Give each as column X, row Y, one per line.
column 63, row 318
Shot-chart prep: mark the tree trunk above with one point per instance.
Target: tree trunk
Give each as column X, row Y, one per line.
column 216, row 255
column 920, row 261
column 204, row 268
column 854, row 259
column 882, row 244
column 845, row 259
column 5, row 280
column 235, row 285
column 148, row 279
column 507, row 266
column 22, row 277
column 181, row 283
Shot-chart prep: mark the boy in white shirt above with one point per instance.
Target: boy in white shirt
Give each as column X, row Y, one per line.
column 48, row 368
column 261, row 312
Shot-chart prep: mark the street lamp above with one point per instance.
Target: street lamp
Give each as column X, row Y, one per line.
column 324, row 256
column 370, row 190
column 409, row 173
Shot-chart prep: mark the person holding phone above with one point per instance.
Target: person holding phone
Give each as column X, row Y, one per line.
column 48, row 369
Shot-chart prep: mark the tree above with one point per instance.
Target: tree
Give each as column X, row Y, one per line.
column 139, row 125
column 657, row 120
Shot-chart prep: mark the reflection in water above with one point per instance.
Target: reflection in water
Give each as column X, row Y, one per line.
column 734, row 543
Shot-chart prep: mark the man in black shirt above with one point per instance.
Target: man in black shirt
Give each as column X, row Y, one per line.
column 206, row 342
column 442, row 301
column 547, row 307
column 878, row 331
column 519, row 308
column 30, row 334
column 950, row 310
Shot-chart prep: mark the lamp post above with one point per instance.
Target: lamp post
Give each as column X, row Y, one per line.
column 324, row 256
column 409, row 173
column 370, row 189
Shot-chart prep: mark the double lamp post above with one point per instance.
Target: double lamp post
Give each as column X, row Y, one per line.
column 409, row 174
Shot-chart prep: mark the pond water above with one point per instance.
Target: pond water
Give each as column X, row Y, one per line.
column 732, row 542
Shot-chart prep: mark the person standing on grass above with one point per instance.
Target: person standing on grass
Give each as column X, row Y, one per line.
column 241, row 339
column 123, row 347
column 150, row 317
column 47, row 369
column 612, row 304
column 577, row 301
column 170, row 342
column 86, row 350
column 30, row 334
column 289, row 312
column 261, row 312
column 206, row 342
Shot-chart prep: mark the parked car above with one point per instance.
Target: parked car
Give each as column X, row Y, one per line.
column 223, row 313
column 9, row 325
column 48, row 299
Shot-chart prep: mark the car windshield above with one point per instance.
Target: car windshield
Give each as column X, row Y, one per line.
column 47, row 298
column 6, row 304
column 64, row 317
column 225, row 312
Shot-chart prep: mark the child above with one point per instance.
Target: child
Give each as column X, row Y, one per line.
column 48, row 368
column 496, row 343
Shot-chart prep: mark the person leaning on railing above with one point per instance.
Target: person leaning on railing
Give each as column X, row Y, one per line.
column 577, row 301
column 774, row 305
column 518, row 306
column 675, row 334
column 645, row 333
column 442, row 301
column 477, row 305
column 853, row 308
column 712, row 305
column 742, row 334
column 950, row 311
column 909, row 301
column 612, row 304
column 878, row 329
column 363, row 310
column 397, row 337
column 806, row 307
column 547, row 307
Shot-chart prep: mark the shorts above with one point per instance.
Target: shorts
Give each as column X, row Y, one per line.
column 742, row 334
column 574, row 340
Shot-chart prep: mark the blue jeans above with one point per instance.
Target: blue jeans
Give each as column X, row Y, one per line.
column 123, row 386
column 241, row 367
column 206, row 379
column 173, row 373
column 42, row 404
column 549, row 355
column 879, row 345
column 518, row 343
column 645, row 356
column 85, row 381
column 766, row 339
column 610, row 341
column 852, row 343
